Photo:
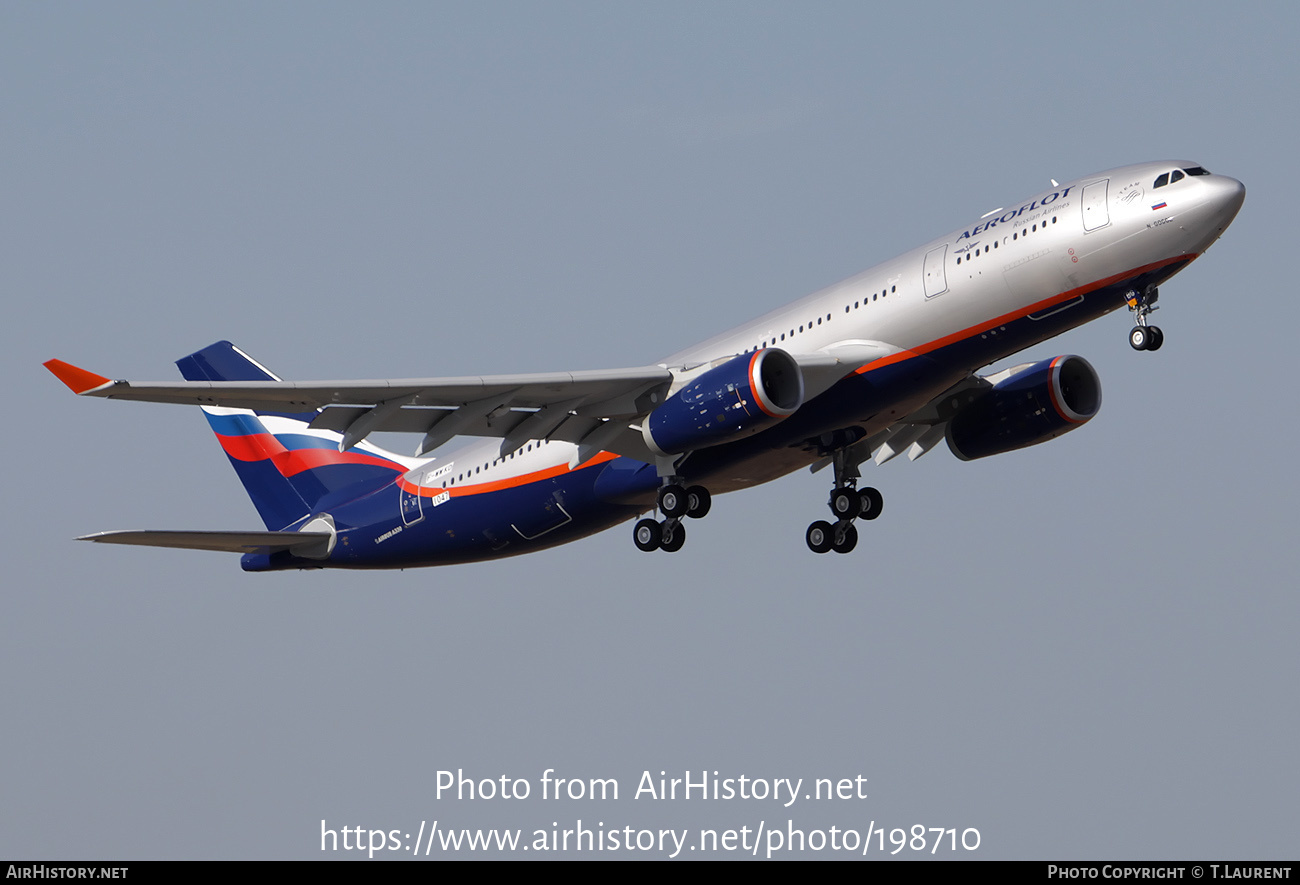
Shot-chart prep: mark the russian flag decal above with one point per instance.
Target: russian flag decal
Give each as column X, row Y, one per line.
column 1158, row 206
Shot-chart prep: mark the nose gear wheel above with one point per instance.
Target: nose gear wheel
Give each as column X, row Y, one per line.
column 1144, row 336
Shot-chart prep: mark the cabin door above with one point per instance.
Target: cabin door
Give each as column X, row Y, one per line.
column 936, row 278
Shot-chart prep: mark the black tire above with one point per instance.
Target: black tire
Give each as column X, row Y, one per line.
column 844, row 503
column 872, row 502
column 673, row 536
column 646, row 535
column 1157, row 338
column 673, row 501
column 698, row 502
column 847, row 540
column 1139, row 338
column 820, row 536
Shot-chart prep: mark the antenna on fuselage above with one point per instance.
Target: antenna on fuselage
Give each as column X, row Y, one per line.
column 1054, row 182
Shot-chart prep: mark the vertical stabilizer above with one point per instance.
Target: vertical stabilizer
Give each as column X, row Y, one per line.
column 286, row 466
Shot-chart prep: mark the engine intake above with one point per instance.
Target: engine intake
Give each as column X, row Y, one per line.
column 742, row 396
column 1040, row 402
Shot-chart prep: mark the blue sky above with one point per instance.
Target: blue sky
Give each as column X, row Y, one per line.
column 1084, row 649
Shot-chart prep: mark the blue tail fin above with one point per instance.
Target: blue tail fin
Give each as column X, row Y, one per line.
column 286, row 467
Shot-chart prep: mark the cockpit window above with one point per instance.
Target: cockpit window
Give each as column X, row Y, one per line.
column 1196, row 170
column 1162, row 180
column 1177, row 176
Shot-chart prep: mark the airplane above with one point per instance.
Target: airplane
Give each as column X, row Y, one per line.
column 882, row 364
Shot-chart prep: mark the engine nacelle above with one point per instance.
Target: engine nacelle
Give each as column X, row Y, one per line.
column 742, row 396
column 1038, row 403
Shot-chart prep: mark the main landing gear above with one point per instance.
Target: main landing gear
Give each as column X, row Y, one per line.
column 1144, row 336
column 675, row 502
column 847, row 503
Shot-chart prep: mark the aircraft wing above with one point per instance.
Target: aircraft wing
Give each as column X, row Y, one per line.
column 607, row 392
column 488, row 405
column 597, row 410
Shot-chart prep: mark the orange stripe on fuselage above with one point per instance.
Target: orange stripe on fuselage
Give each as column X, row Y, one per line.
column 510, row 482
column 1015, row 315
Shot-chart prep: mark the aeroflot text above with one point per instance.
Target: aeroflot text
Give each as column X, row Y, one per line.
column 1013, row 214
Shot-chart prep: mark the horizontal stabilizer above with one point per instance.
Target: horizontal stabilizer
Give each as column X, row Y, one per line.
column 312, row 545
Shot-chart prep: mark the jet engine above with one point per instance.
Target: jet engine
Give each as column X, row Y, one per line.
column 1038, row 402
column 743, row 395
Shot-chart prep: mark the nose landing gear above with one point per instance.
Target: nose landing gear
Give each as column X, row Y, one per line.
column 1144, row 336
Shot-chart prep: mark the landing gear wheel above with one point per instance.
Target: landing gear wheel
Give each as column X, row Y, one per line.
column 646, row 535
column 673, row 501
column 673, row 536
column 698, row 502
column 820, row 536
column 1142, row 304
column 872, row 502
column 846, row 538
column 845, row 503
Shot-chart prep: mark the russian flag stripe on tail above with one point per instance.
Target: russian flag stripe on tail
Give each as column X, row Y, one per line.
column 286, row 467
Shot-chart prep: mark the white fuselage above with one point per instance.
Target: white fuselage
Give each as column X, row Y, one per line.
column 960, row 294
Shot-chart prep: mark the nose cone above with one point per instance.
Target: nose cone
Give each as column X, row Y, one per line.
column 1218, row 200
column 1226, row 196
